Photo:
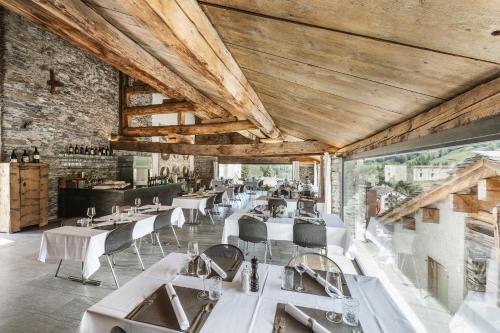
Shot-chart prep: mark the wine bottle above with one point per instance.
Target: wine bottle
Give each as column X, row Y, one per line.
column 13, row 156
column 87, row 150
column 92, row 150
column 25, row 157
column 82, row 151
column 70, row 149
column 36, row 156
column 99, row 151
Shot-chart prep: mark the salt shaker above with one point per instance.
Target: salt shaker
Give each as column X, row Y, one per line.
column 254, row 279
column 245, row 280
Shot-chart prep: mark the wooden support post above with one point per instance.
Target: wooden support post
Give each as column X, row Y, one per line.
column 122, row 103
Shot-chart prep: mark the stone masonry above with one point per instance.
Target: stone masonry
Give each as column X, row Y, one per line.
column 84, row 111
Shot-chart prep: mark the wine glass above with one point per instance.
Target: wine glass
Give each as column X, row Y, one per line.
column 192, row 252
column 333, row 285
column 203, row 270
column 91, row 214
column 115, row 211
column 300, row 267
column 156, row 202
column 137, row 203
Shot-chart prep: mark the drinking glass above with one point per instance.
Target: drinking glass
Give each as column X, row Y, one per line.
column 115, row 211
column 214, row 288
column 350, row 309
column 156, row 202
column 334, row 280
column 192, row 253
column 137, row 202
column 203, row 270
column 91, row 214
column 300, row 267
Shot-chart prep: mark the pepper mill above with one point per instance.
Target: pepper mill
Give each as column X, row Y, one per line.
column 254, row 279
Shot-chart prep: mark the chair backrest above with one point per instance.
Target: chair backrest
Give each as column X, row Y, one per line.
column 260, row 183
column 316, row 261
column 252, row 230
column 243, row 189
column 273, row 203
column 226, row 251
column 117, row 329
column 236, row 190
column 210, row 202
column 309, row 235
column 285, row 193
column 119, row 239
column 306, row 205
column 163, row 220
column 218, row 197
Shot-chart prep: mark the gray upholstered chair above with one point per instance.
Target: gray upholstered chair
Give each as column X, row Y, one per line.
column 226, row 251
column 251, row 230
column 117, row 329
column 118, row 240
column 273, row 203
column 309, row 235
column 307, row 207
column 164, row 221
column 209, row 206
column 218, row 200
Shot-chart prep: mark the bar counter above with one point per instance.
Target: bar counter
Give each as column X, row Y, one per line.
column 73, row 202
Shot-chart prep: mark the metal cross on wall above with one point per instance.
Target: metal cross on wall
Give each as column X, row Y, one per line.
column 53, row 82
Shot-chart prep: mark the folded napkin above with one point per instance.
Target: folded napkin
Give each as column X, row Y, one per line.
column 176, row 304
column 305, row 319
column 321, row 280
column 214, row 266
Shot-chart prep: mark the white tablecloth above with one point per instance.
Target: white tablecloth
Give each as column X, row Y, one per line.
column 238, row 312
column 74, row 243
column 281, row 228
column 191, row 203
column 87, row 245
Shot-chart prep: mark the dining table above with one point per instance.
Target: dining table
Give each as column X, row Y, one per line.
column 86, row 244
column 338, row 235
column 236, row 310
column 193, row 202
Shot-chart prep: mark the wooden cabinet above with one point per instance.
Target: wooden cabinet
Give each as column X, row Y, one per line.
column 23, row 195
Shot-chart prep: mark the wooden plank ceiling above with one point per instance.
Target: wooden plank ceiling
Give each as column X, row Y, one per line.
column 335, row 71
column 339, row 71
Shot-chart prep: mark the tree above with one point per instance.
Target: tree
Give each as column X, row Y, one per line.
column 245, row 171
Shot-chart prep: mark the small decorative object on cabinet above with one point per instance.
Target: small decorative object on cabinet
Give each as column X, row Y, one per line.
column 24, row 195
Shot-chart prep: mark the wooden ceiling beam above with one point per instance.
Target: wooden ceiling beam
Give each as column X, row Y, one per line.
column 241, row 150
column 197, row 129
column 478, row 103
column 165, row 108
column 83, row 27
column 184, row 30
column 142, row 89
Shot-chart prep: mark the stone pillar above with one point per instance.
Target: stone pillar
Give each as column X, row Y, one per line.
column 316, row 173
column 327, row 184
column 216, row 169
column 295, row 170
column 336, row 185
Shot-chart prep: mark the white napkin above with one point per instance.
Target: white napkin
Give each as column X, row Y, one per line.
column 320, row 279
column 214, row 266
column 176, row 304
column 305, row 319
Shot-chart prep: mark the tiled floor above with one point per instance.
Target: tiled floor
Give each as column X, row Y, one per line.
column 33, row 300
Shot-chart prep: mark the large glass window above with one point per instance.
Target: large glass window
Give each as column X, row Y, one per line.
column 440, row 259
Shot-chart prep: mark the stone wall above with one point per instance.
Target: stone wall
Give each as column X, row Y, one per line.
column 83, row 111
column 204, row 165
column 336, row 179
column 306, row 170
